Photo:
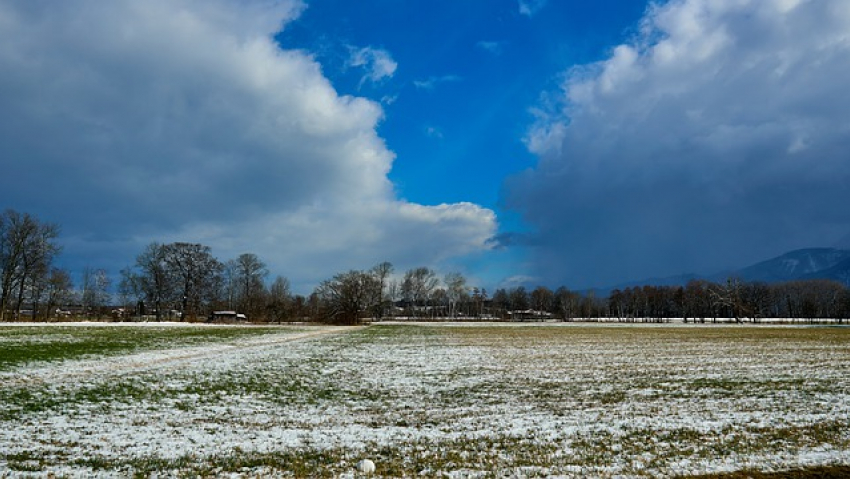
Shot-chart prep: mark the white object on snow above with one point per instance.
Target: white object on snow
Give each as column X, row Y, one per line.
column 366, row 466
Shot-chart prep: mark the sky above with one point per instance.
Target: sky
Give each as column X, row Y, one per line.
column 515, row 141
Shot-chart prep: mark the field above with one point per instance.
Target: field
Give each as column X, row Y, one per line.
column 444, row 400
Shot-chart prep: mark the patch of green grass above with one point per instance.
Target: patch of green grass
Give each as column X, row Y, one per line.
column 828, row 432
column 141, row 467
column 21, row 401
column 396, row 334
column 292, row 389
column 26, row 461
column 609, row 398
column 300, row 463
column 297, row 387
column 24, row 401
column 296, row 463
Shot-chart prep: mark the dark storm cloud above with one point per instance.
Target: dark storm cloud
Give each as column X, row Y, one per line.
column 511, row 239
column 717, row 137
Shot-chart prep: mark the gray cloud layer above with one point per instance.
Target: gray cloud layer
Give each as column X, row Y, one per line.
column 717, row 136
column 128, row 122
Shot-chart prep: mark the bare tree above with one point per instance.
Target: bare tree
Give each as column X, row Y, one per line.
column 417, row 286
column 280, row 299
column 129, row 290
column 95, row 291
column 347, row 296
column 197, row 274
column 542, row 299
column 439, row 303
column 393, row 295
column 58, row 290
column 155, row 283
column 501, row 301
column 456, row 289
column 250, row 277
column 229, row 282
column 728, row 296
column 382, row 272
column 566, row 303
column 519, row 298
column 35, row 287
column 479, row 298
column 27, row 249
column 617, row 304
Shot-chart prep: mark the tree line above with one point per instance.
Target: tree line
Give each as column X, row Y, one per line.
column 701, row 301
column 186, row 281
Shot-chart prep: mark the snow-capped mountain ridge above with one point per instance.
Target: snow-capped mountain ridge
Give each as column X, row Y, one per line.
column 801, row 264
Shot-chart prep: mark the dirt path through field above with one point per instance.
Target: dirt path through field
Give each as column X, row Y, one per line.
column 116, row 366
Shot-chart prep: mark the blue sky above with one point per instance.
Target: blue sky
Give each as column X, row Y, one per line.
column 468, row 73
column 460, row 101
column 515, row 141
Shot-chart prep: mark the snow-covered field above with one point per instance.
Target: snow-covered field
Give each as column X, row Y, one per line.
column 431, row 400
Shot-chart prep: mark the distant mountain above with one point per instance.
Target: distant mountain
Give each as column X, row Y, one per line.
column 840, row 272
column 809, row 263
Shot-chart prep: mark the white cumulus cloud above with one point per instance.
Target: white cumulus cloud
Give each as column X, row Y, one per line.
column 377, row 62
column 127, row 122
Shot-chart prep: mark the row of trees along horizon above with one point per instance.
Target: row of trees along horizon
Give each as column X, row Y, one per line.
column 185, row 281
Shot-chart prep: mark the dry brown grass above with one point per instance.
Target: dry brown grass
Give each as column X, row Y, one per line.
column 824, row 472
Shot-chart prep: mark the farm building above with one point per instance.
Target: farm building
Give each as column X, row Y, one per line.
column 227, row 317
